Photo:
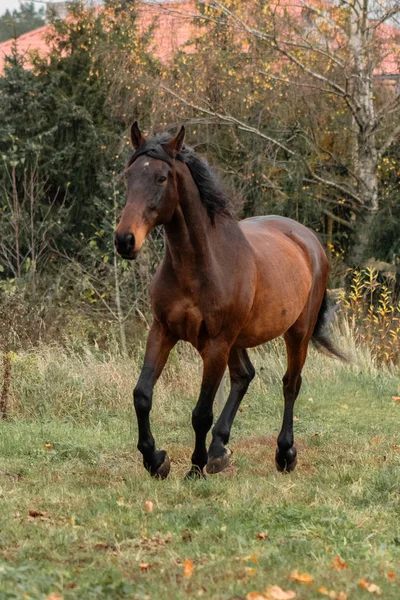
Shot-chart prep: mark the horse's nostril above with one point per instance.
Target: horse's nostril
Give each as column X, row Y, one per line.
column 129, row 240
column 124, row 243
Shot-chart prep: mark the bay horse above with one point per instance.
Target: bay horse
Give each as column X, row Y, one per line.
column 224, row 286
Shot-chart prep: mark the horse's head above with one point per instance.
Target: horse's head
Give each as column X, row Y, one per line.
column 152, row 193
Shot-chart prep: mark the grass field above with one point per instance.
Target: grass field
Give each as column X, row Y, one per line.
column 73, row 493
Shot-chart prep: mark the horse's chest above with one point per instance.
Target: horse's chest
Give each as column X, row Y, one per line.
column 185, row 321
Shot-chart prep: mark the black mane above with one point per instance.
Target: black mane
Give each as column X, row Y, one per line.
column 211, row 193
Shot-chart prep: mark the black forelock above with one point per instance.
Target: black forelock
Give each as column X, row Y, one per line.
column 211, row 193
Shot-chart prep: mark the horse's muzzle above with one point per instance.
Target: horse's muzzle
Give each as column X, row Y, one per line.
column 125, row 245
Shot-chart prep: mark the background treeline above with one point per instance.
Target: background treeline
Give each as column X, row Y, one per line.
column 15, row 23
column 282, row 144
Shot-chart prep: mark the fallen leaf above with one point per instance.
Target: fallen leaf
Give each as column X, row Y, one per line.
column 296, row 419
column 274, row 592
column 376, row 440
column 254, row 558
column 343, row 406
column 370, row 587
column 148, row 506
column 339, row 564
column 301, row 577
column 255, row 596
column 47, row 446
column 251, row 557
column 250, row 571
column 144, row 567
column 396, row 398
column 188, row 568
column 37, row 513
column 390, row 575
column 395, row 447
column 121, row 502
column 310, row 400
column 262, row 536
column 54, row 597
column 323, row 590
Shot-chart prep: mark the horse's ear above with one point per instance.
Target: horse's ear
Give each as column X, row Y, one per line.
column 137, row 138
column 175, row 144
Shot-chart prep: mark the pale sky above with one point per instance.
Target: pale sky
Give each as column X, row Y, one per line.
column 11, row 4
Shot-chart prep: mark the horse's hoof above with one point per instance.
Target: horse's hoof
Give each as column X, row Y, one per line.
column 163, row 470
column 286, row 462
column 194, row 473
column 216, row 465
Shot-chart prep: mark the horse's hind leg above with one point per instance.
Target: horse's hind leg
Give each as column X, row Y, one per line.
column 215, row 359
column 241, row 373
column 296, row 340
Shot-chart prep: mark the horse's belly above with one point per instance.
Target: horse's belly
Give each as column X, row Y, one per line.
column 268, row 321
column 284, row 284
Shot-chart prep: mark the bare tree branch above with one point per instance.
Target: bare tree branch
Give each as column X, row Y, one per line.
column 228, row 119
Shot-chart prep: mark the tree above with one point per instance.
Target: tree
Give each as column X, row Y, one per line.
column 14, row 24
column 325, row 64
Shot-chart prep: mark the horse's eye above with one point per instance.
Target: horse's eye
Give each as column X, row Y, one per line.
column 161, row 179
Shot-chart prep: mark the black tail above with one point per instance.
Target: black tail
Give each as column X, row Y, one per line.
column 320, row 337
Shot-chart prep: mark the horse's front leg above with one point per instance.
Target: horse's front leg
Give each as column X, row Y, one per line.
column 159, row 344
column 215, row 359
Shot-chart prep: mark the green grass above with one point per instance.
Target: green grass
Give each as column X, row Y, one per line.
column 343, row 499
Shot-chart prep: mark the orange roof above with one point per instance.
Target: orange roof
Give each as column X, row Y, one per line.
column 175, row 27
column 26, row 43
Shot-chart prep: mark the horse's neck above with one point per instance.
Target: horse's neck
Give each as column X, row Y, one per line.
column 192, row 239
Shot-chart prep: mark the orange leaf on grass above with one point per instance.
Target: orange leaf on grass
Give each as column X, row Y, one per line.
column 188, row 568
column 301, row 577
column 262, row 536
column 370, row 587
column 375, row 440
column 323, row 590
column 274, row 592
column 255, row 596
column 144, row 567
column 148, row 506
column 54, row 597
column 390, row 575
column 396, row 398
column 251, row 557
column 339, row 564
